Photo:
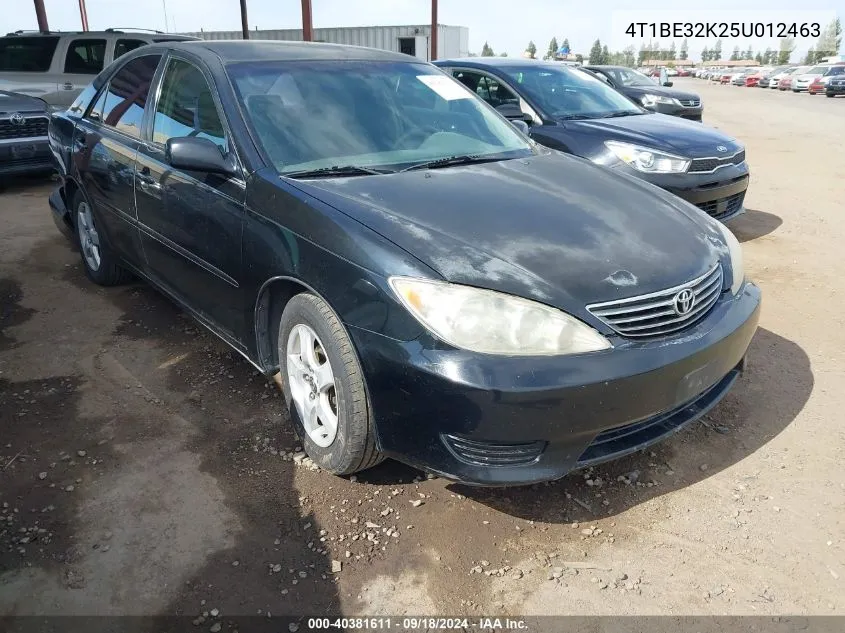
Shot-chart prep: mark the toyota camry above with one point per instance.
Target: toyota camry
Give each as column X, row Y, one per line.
column 424, row 281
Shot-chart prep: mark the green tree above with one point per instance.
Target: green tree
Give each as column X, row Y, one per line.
column 749, row 54
column 830, row 41
column 735, row 54
column 629, row 55
column 579, row 58
column 595, row 53
column 503, row 55
column 552, row 52
column 717, row 51
column 672, row 53
column 532, row 50
column 642, row 55
column 810, row 58
column 684, row 54
column 769, row 56
column 759, row 58
column 486, row 51
column 787, row 45
column 566, row 43
column 605, row 55
column 705, row 54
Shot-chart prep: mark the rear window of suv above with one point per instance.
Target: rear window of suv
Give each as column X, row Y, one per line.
column 27, row 54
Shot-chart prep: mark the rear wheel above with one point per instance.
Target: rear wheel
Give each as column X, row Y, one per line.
column 324, row 387
column 829, row 94
column 100, row 264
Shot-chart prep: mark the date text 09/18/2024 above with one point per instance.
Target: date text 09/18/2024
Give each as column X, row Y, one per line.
column 417, row 623
column 723, row 29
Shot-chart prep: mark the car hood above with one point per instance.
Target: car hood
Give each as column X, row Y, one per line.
column 663, row 91
column 660, row 131
column 553, row 228
column 15, row 102
column 808, row 77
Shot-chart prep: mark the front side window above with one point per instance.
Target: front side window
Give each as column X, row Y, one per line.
column 85, row 57
column 626, row 77
column 122, row 47
column 126, row 95
column 389, row 115
column 186, row 106
column 569, row 93
column 27, row 54
column 835, row 70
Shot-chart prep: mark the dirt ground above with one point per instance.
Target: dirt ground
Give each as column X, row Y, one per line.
column 146, row 469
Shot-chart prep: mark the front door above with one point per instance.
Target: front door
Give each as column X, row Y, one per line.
column 190, row 222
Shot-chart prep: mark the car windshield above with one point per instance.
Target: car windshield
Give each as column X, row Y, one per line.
column 27, row 54
column 834, row 70
column 629, row 77
column 817, row 70
column 385, row 116
column 801, row 70
column 565, row 93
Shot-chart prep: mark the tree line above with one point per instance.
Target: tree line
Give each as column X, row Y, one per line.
column 828, row 45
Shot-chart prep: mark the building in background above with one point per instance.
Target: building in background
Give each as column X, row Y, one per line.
column 452, row 41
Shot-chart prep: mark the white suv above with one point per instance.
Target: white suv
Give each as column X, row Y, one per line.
column 56, row 66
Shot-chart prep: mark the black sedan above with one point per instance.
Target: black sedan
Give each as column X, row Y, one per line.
column 23, row 136
column 424, row 281
column 651, row 95
column 570, row 110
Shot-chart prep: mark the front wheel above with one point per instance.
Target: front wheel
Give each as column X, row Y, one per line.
column 829, row 94
column 324, row 387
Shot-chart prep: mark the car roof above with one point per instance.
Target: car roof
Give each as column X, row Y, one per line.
column 275, row 50
column 138, row 33
column 498, row 62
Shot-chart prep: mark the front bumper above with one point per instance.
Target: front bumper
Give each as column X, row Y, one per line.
column 491, row 420
column 693, row 114
column 25, row 156
column 720, row 194
column 835, row 89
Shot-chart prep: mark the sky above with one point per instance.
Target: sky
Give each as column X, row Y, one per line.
column 505, row 24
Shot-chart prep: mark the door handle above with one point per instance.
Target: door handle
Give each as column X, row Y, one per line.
column 67, row 86
column 145, row 181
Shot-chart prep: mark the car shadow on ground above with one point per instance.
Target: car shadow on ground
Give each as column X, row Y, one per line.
column 763, row 402
column 753, row 224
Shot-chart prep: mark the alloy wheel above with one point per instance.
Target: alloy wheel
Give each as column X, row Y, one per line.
column 312, row 384
column 89, row 239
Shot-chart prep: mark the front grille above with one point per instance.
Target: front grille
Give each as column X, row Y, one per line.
column 699, row 165
column 690, row 103
column 483, row 453
column 723, row 206
column 31, row 127
column 661, row 312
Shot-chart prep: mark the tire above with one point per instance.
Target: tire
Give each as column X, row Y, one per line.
column 352, row 446
column 829, row 95
column 100, row 264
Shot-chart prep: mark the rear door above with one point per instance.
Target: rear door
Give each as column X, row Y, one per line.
column 84, row 58
column 191, row 221
column 106, row 143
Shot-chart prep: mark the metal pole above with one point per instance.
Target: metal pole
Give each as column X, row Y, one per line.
column 433, row 47
column 83, row 13
column 307, row 27
column 41, row 16
column 244, row 21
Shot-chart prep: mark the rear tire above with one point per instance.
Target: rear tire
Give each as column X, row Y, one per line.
column 100, row 264
column 829, row 95
column 324, row 387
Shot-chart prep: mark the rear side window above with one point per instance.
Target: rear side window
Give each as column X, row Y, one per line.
column 81, row 102
column 122, row 47
column 85, row 57
column 27, row 54
column 126, row 95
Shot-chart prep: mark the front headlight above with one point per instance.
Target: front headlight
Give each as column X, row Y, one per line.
column 735, row 251
column 647, row 160
column 491, row 322
column 652, row 100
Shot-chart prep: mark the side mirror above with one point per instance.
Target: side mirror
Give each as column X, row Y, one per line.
column 512, row 111
column 668, row 84
column 197, row 154
column 520, row 125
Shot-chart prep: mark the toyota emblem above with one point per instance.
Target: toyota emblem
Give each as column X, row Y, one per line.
column 17, row 119
column 684, row 301
column 721, row 148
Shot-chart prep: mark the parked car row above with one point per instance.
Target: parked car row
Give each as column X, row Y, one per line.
column 828, row 79
column 499, row 303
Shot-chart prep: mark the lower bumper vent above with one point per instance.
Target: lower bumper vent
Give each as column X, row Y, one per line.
column 482, row 453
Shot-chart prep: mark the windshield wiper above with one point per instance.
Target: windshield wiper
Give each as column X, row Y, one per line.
column 337, row 170
column 618, row 113
column 452, row 160
column 575, row 117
